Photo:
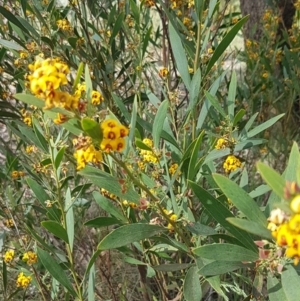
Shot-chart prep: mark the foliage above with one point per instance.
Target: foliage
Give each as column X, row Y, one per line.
column 127, row 158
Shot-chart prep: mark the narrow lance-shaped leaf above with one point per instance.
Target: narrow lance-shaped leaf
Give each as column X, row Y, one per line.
column 220, row 213
column 180, row 56
column 221, row 267
column 92, row 128
column 158, row 122
column 251, row 227
column 290, row 283
column 55, row 270
column 191, row 287
column 231, row 95
column 272, row 178
column 127, row 234
column 226, row 252
column 240, row 198
column 56, row 229
column 225, row 43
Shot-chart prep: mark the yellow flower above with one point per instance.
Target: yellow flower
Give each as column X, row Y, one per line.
column 30, row 257
column 61, row 118
column 9, row 256
column 231, row 164
column 113, row 135
column 96, row 98
column 86, row 155
column 295, row 204
column 15, row 174
column 148, row 142
column 30, row 149
column 221, row 143
column 173, row 168
column 9, row 223
column 23, row 281
column 163, row 72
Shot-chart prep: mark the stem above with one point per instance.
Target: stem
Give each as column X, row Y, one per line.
column 198, row 46
column 64, row 224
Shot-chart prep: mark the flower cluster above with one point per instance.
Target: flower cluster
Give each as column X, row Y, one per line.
column 64, row 25
column 285, row 227
column 26, row 117
column 23, row 281
column 173, row 169
column 46, row 77
column 231, row 164
column 113, row 135
column 30, row 257
column 9, row 256
column 221, row 143
column 9, row 223
column 86, row 152
column 148, row 155
column 30, row 149
column 163, row 72
column 97, row 98
column 17, row 174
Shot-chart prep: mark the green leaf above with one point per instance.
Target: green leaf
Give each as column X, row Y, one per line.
column 275, row 291
column 30, row 28
column 251, row 227
column 191, row 287
column 109, row 183
column 73, row 126
column 12, row 18
column 91, row 284
column 215, row 283
column 158, row 122
column 132, row 126
column 133, row 261
column 55, row 270
column 220, row 267
column 239, row 115
column 231, row 95
column 31, row 100
column 180, row 56
column 128, row 234
column 140, row 144
column 240, row 198
column 92, row 128
column 70, row 222
column 192, row 170
column 264, row 126
column 220, row 213
column 215, row 103
column 39, row 133
column 108, row 206
column 272, row 178
column 290, row 173
column 78, row 76
column 225, row 43
column 290, row 282
column 117, row 26
column 89, row 88
column 10, row 45
column 103, row 221
column 56, row 229
column 173, row 267
column 195, row 89
column 200, row 229
column 226, row 252
column 59, row 157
